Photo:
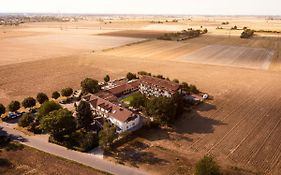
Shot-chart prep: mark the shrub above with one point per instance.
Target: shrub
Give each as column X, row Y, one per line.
column 131, row 76
column 66, row 92
column 247, row 33
column 2, row 109
column 193, row 89
column 28, row 102
column 14, row 106
column 26, row 120
column 106, row 78
column 207, row 166
column 42, row 97
column 55, row 95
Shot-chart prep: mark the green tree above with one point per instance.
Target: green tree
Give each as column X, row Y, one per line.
column 55, row 95
column 48, row 107
column 66, row 92
column 42, row 97
column 207, row 166
column 2, row 109
column 28, row 102
column 131, row 76
column 59, row 123
column 185, row 86
column 84, row 115
column 14, row 106
column 138, row 100
column 89, row 85
column 26, row 120
column 162, row 108
column 106, row 78
column 107, row 136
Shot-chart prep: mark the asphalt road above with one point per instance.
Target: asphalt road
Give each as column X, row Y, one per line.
column 40, row 142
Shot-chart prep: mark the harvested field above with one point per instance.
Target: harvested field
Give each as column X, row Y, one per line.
column 156, row 49
column 29, row 48
column 135, row 33
column 240, row 127
column 257, row 58
column 27, row 160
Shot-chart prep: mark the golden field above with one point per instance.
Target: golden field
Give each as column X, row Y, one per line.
column 240, row 126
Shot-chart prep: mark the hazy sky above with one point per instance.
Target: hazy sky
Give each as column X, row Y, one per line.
column 227, row 7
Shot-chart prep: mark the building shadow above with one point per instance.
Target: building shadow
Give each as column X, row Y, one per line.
column 205, row 107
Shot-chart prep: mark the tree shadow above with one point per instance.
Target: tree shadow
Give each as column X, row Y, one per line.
column 205, row 107
column 193, row 122
column 135, row 153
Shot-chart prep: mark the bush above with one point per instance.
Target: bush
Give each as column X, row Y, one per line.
column 66, row 92
column 26, row 120
column 207, row 166
column 247, row 33
column 14, row 106
column 193, row 89
column 106, row 78
column 28, row 102
column 2, row 109
column 41, row 98
column 131, row 76
column 55, row 95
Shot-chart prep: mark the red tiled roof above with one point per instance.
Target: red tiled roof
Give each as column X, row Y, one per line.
column 124, row 87
column 115, row 111
column 107, row 96
column 159, row 83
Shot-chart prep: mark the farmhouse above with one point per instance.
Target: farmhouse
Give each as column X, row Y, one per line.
column 122, row 118
column 152, row 86
column 125, row 88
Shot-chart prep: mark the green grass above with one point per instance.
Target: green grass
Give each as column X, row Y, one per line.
column 128, row 99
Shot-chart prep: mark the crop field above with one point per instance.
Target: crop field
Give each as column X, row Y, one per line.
column 259, row 58
column 241, row 126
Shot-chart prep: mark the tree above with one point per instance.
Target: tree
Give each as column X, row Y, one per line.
column 59, row 123
column 205, row 31
column 66, row 92
column 55, row 95
column 163, row 109
column 106, row 78
column 176, row 81
column 207, row 166
column 26, row 120
column 48, row 107
column 107, row 136
column 184, row 86
column 2, row 109
column 193, row 89
column 84, row 115
column 131, row 76
column 14, row 106
column 28, row 102
column 89, row 85
column 42, row 97
column 138, row 100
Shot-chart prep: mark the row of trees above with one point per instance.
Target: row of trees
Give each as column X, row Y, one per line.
column 247, row 33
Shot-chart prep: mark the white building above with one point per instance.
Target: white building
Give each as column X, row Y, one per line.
column 152, row 86
column 122, row 118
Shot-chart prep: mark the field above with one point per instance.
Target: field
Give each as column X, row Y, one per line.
column 240, row 127
column 21, row 160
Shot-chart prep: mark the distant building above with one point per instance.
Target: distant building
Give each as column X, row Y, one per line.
column 122, row 118
column 153, row 86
